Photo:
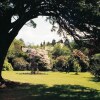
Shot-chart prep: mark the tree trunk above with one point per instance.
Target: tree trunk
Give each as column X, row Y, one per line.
column 6, row 38
column 2, row 58
column 1, row 66
column 8, row 31
column 4, row 46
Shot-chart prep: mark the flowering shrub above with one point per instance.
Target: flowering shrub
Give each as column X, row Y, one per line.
column 41, row 58
column 81, row 56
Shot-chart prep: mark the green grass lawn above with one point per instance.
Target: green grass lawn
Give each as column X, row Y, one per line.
column 50, row 85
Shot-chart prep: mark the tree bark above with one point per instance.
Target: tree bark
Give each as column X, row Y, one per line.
column 3, row 53
column 5, row 42
column 8, row 31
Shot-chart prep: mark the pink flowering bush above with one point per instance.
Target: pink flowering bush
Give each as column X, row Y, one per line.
column 81, row 62
column 79, row 54
column 40, row 58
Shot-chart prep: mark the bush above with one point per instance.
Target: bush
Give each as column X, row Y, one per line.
column 82, row 59
column 95, row 65
column 7, row 66
column 96, row 56
column 41, row 59
column 77, row 67
column 19, row 63
column 60, row 63
column 95, row 70
column 60, row 50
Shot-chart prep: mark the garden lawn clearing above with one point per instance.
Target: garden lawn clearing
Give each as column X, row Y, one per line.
column 53, row 78
column 51, row 85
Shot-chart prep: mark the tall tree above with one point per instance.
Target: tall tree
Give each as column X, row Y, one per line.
column 15, row 48
column 71, row 15
column 53, row 42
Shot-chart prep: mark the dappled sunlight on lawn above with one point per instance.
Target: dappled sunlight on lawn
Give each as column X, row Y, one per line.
column 23, row 91
column 22, row 85
column 52, row 78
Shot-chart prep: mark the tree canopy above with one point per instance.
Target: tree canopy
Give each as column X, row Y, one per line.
column 71, row 15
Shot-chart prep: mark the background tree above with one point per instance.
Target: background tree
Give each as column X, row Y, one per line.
column 95, row 65
column 59, row 50
column 53, row 42
column 19, row 63
column 77, row 67
column 82, row 61
column 7, row 66
column 40, row 60
column 61, row 63
column 15, row 50
column 48, row 44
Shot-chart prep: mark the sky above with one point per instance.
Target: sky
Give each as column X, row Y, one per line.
column 41, row 33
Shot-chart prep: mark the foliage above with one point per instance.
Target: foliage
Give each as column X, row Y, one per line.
column 74, row 45
column 53, row 42
column 41, row 58
column 23, row 55
column 96, row 56
column 82, row 59
column 95, row 65
column 61, row 62
column 60, row 50
column 71, row 15
column 19, row 63
column 95, row 69
column 16, row 56
column 81, row 56
column 7, row 66
column 82, row 22
column 15, row 48
column 77, row 67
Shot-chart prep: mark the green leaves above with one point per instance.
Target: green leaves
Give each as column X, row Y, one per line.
column 60, row 49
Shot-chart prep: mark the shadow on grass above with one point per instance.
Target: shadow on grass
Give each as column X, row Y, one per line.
column 22, row 91
column 94, row 79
